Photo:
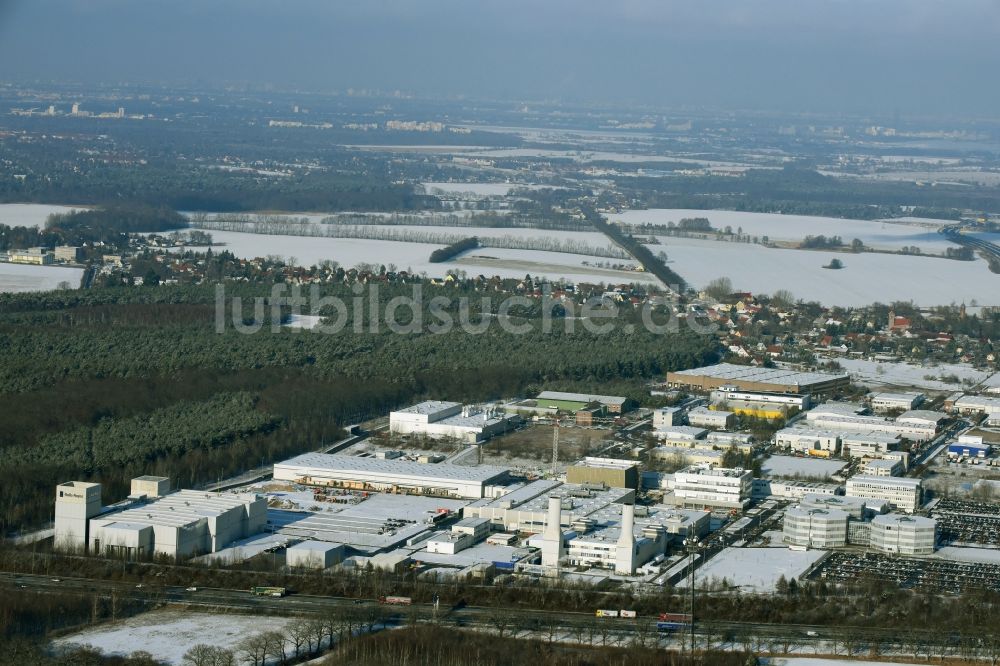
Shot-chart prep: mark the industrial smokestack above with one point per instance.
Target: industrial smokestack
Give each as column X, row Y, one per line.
column 553, row 527
column 625, row 555
column 627, row 537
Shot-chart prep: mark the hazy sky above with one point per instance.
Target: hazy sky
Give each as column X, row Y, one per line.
column 917, row 56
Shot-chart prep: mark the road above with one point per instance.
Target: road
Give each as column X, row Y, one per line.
column 953, row 233
column 804, row 637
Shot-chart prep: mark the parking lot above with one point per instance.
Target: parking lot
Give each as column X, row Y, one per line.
column 967, row 522
column 909, row 573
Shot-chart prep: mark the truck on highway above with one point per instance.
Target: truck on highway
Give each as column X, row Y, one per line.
column 395, row 601
column 672, row 621
column 267, row 591
column 606, row 613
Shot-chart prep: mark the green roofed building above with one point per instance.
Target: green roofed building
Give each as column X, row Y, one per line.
column 574, row 402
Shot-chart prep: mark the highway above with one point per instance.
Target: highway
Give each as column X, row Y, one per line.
column 804, row 637
column 953, row 233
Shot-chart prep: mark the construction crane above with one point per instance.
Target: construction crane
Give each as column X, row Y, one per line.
column 555, row 446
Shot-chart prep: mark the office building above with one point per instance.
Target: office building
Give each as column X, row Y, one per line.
column 905, row 494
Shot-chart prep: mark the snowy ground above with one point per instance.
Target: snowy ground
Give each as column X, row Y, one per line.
column 865, row 278
column 414, row 257
column 167, row 635
column 912, row 376
column 16, row 278
column 791, row 466
column 956, row 554
column 478, row 189
column 30, row 215
column 826, row 661
column 873, row 233
column 757, row 569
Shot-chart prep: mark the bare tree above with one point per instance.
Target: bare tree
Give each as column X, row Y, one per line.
column 299, row 633
column 200, row 655
column 253, row 649
column 277, row 645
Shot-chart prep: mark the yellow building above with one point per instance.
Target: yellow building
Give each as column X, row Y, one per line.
column 38, row 256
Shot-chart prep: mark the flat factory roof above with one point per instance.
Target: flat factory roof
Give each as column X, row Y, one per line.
column 399, row 468
column 581, row 397
column 731, row 371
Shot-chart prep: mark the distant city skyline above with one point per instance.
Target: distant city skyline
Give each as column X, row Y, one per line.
column 880, row 57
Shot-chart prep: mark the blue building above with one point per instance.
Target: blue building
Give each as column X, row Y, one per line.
column 969, row 450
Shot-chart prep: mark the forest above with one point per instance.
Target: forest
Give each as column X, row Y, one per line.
column 93, row 381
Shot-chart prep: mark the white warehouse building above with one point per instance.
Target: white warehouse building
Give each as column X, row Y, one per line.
column 706, row 487
column 905, row 494
column 804, row 440
column 178, row 525
column 435, row 418
column 886, row 402
column 397, row 476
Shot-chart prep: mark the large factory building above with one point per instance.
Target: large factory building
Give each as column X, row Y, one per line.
column 154, row 521
column 435, row 418
column 397, row 476
column 749, row 378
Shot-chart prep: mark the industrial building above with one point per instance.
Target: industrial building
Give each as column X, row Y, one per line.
column 917, row 426
column 888, row 402
column 858, row 508
column 867, row 444
column 620, row 537
column 751, row 378
column 882, row 467
column 68, row 253
column 38, row 256
column 705, row 487
column 905, row 494
column 714, row 419
column 396, row 476
column 76, row 503
column 573, row 402
column 436, row 419
column 523, row 509
column 609, row 472
column 968, row 449
column 968, row 405
column 314, row 555
column 690, row 455
column 903, row 535
column 664, row 417
column 680, row 434
column 809, row 441
column 763, row 488
column 759, row 404
column 177, row 524
column 815, row 527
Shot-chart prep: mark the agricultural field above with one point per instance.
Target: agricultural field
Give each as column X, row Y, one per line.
column 865, row 278
column 15, row 278
column 878, row 234
column 938, row 377
column 29, row 214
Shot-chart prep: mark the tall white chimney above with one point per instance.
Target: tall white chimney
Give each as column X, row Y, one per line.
column 552, row 537
column 625, row 555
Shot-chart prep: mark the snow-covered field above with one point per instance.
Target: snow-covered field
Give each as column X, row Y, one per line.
column 877, row 234
column 167, row 635
column 30, row 215
column 865, row 278
column 915, row 376
column 478, row 189
column 16, row 278
column 757, row 569
column 827, row 661
column 791, row 466
column 414, row 257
